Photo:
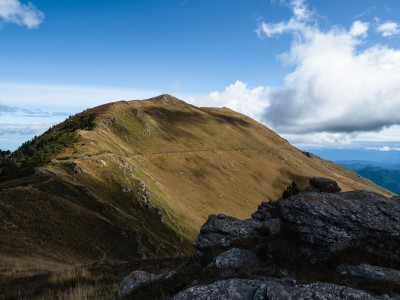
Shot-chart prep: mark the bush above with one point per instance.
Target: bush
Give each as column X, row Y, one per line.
column 291, row 190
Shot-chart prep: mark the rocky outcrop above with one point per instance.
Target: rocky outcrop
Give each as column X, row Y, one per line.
column 235, row 259
column 328, row 224
column 137, row 279
column 221, row 231
column 318, row 244
column 367, row 274
column 269, row 288
column 132, row 282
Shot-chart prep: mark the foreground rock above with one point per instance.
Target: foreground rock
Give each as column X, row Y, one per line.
column 338, row 245
column 328, row 224
column 235, row 259
column 242, row 289
column 222, row 231
column 367, row 274
column 137, row 279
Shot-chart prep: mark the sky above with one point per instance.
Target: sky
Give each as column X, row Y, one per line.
column 320, row 73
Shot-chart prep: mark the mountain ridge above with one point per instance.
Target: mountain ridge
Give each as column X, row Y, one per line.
column 141, row 182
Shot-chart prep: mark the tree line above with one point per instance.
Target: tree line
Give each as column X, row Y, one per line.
column 39, row 150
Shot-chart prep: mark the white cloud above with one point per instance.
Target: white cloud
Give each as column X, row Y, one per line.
column 21, row 128
column 237, row 96
column 13, row 11
column 388, row 29
column 385, row 148
column 301, row 15
column 319, row 138
column 359, row 29
column 337, row 89
column 300, row 10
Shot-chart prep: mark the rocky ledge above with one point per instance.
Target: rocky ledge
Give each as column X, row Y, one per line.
column 318, row 244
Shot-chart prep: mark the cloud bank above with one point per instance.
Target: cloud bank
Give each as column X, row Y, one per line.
column 16, row 111
column 20, row 129
column 336, row 86
column 341, row 87
column 13, row 11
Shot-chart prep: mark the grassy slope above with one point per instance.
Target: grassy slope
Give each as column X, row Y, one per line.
column 194, row 161
column 149, row 169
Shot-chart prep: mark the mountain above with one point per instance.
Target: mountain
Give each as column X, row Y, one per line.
column 385, row 175
column 135, row 180
column 391, row 157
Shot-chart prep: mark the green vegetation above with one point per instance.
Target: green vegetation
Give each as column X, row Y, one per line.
column 291, row 190
column 39, row 150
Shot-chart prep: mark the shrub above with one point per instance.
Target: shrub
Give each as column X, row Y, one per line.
column 291, row 190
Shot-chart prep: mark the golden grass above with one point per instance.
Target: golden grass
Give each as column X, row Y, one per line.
column 195, row 161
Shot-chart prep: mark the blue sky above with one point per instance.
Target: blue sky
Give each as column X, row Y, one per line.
column 336, row 64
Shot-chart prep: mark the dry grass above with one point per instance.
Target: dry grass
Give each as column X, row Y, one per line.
column 196, row 161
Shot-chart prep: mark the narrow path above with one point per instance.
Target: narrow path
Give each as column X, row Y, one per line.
column 167, row 152
column 48, row 173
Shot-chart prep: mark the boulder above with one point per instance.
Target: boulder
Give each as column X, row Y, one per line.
column 221, row 231
column 132, row 282
column 329, row 223
column 270, row 288
column 234, row 259
column 137, row 279
column 321, row 184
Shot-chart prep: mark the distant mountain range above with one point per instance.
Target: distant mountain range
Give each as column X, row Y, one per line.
column 383, row 174
column 383, row 158
column 381, row 167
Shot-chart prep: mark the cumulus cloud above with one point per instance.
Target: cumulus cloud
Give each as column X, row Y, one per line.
column 239, row 97
column 337, row 87
column 359, row 29
column 13, row 11
column 388, row 29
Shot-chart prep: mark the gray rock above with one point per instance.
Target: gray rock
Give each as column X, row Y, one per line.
column 329, row 223
column 322, row 184
column 222, row 232
column 230, row 261
column 273, row 226
column 233, row 289
column 132, row 282
column 270, row 288
column 264, row 212
column 137, row 279
column 370, row 273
